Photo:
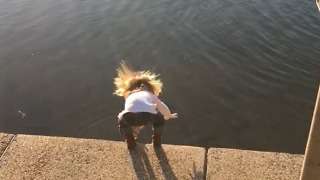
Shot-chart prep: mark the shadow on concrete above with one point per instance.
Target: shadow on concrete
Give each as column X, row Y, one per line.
column 143, row 167
column 164, row 164
column 196, row 175
column 141, row 163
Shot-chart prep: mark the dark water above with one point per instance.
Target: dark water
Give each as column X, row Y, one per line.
column 241, row 74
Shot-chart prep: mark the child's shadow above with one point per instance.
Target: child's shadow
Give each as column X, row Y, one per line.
column 142, row 165
column 164, row 163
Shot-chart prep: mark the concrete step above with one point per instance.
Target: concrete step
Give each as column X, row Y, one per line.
column 229, row 164
column 43, row 157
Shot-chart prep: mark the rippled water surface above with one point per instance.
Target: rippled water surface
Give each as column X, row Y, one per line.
column 241, row 74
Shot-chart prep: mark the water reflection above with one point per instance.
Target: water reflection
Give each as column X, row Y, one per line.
column 241, row 74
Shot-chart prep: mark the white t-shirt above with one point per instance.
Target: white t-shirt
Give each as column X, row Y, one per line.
column 144, row 101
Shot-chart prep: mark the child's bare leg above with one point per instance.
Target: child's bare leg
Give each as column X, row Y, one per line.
column 126, row 131
column 156, row 139
column 131, row 141
column 128, row 134
column 158, row 128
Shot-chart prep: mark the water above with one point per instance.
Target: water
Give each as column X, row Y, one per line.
column 241, row 74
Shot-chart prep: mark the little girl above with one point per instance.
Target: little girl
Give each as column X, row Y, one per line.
column 142, row 105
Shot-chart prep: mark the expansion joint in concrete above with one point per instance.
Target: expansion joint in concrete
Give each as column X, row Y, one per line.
column 8, row 146
column 205, row 164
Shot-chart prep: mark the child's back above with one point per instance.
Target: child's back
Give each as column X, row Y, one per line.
column 142, row 106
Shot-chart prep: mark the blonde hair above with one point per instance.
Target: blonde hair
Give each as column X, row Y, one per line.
column 129, row 81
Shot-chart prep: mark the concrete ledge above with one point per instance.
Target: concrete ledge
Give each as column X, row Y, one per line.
column 227, row 164
column 41, row 157
column 5, row 140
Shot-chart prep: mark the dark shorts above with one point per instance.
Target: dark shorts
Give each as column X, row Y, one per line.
column 129, row 120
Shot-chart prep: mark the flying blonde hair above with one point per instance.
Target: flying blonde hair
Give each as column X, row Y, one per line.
column 129, row 81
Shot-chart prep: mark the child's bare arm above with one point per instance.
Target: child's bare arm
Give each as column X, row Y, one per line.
column 163, row 108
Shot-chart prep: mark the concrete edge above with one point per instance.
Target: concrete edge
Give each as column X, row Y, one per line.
column 277, row 164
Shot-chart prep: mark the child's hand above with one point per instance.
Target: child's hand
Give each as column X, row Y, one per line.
column 173, row 116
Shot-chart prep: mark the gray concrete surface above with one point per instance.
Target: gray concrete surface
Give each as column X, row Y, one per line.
column 41, row 157
column 229, row 164
column 4, row 141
